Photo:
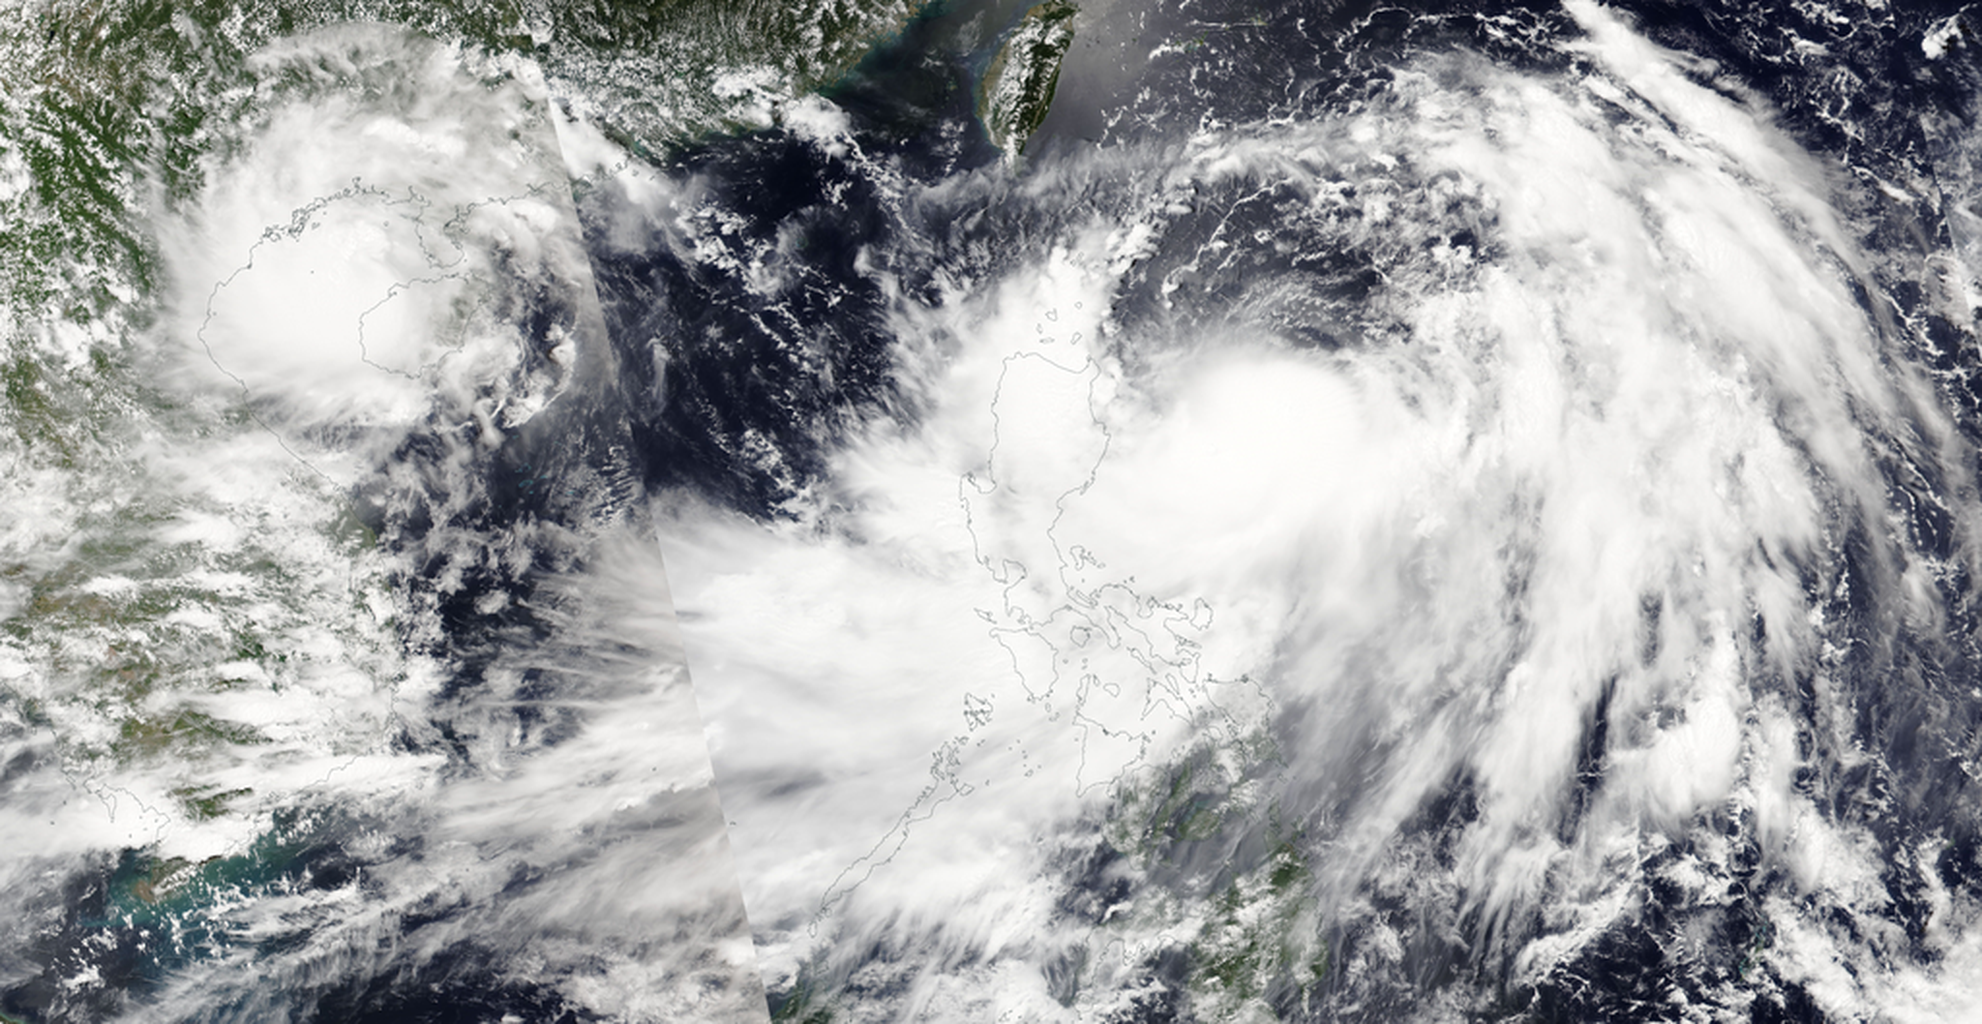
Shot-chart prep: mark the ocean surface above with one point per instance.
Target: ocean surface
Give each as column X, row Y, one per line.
column 1186, row 511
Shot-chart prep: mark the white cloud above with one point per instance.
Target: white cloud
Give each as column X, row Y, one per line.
column 1580, row 463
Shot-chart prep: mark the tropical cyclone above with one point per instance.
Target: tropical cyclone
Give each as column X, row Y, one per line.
column 1383, row 514
column 285, row 486
column 1523, row 403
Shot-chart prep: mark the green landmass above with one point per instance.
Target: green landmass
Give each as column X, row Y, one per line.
column 1259, row 935
column 112, row 113
column 1017, row 89
column 802, row 1005
column 1255, row 937
column 146, row 889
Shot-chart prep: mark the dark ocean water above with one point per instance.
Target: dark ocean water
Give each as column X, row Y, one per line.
column 758, row 395
column 760, row 325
